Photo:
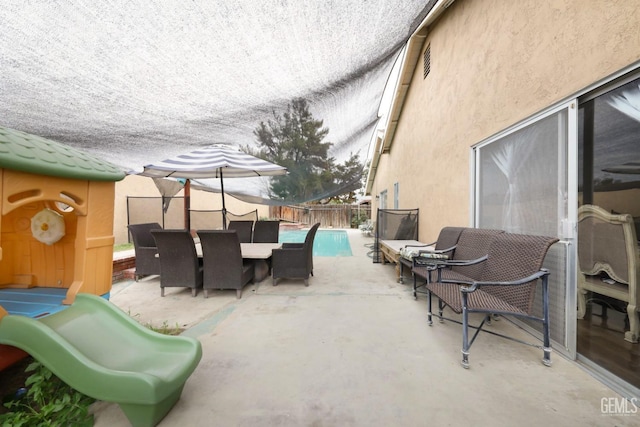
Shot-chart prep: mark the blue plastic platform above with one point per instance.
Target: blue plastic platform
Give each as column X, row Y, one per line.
column 34, row 302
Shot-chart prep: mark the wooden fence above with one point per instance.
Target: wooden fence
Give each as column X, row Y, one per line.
column 151, row 209
column 333, row 216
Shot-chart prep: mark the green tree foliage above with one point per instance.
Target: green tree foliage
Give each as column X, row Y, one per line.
column 294, row 139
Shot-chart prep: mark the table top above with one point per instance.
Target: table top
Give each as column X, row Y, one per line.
column 258, row 250
column 396, row 245
column 250, row 250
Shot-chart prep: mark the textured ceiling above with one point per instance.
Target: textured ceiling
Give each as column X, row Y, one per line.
column 138, row 82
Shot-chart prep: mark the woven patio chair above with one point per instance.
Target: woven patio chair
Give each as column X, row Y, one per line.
column 472, row 244
column 609, row 262
column 294, row 260
column 508, row 278
column 222, row 261
column 244, row 230
column 445, row 245
column 146, row 251
column 266, row 231
column 179, row 264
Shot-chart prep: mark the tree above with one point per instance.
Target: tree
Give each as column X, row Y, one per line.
column 295, row 140
column 349, row 177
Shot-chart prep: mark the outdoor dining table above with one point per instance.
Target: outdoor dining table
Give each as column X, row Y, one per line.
column 258, row 252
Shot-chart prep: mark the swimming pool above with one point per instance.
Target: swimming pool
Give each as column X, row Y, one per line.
column 326, row 243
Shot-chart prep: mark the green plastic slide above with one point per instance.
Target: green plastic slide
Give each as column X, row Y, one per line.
column 102, row 352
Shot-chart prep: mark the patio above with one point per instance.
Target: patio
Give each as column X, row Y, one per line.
column 353, row 348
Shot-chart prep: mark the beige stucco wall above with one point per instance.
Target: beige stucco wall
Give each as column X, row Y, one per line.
column 140, row 186
column 494, row 63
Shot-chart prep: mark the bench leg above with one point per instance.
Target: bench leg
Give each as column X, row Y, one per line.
column 546, row 359
column 465, row 333
column 440, row 311
column 429, row 315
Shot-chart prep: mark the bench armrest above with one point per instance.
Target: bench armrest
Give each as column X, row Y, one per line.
column 522, row 281
column 438, row 251
column 442, row 263
column 463, row 262
column 420, row 246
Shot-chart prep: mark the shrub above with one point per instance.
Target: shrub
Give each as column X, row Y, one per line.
column 47, row 402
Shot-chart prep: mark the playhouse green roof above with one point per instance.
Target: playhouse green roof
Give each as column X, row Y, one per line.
column 23, row 152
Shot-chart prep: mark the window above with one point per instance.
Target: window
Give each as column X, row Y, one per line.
column 521, row 179
column 383, row 199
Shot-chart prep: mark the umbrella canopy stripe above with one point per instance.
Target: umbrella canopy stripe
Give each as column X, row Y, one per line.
column 213, row 162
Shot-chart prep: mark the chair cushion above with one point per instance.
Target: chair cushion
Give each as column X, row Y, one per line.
column 425, row 257
column 410, row 252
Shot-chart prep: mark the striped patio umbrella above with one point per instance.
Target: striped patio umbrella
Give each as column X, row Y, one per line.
column 214, row 161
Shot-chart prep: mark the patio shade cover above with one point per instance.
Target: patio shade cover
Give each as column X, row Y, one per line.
column 137, row 82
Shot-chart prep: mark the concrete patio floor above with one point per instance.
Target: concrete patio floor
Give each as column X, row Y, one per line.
column 353, row 349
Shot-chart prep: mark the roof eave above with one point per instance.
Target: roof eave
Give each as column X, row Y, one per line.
column 407, row 70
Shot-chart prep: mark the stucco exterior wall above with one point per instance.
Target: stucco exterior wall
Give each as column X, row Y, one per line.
column 494, row 63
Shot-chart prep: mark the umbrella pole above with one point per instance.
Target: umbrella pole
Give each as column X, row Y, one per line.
column 187, row 204
column 224, row 209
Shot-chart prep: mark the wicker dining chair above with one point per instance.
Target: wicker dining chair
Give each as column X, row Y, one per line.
column 223, row 265
column 179, row 264
column 294, row 260
column 145, row 249
column 266, row 231
column 243, row 228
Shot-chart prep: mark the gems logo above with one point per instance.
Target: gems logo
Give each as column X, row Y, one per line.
column 619, row 406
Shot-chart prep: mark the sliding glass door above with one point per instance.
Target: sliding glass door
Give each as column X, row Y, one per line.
column 523, row 185
column 609, row 178
column 536, row 177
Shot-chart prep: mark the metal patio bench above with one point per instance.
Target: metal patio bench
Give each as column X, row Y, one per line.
column 502, row 282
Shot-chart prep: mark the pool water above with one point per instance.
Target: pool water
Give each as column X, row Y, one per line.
column 326, row 242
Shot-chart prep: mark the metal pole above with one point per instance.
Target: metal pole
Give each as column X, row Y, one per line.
column 224, row 209
column 187, row 204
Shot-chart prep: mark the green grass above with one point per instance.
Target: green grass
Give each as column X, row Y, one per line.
column 122, row 247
